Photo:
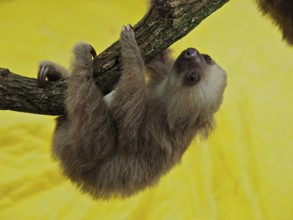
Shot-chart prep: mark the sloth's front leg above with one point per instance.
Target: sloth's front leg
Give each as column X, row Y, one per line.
column 129, row 101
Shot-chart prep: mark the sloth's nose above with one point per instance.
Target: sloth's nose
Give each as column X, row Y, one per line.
column 190, row 53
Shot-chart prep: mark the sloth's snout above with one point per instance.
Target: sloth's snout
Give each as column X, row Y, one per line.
column 189, row 58
column 190, row 53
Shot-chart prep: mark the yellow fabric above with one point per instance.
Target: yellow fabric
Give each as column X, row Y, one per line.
column 243, row 171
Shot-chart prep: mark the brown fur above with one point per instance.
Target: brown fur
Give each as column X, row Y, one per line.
column 281, row 12
column 117, row 145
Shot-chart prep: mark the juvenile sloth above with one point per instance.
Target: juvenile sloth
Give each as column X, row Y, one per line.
column 117, row 145
column 281, row 12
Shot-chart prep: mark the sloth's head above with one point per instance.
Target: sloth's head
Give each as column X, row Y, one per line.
column 197, row 78
column 195, row 85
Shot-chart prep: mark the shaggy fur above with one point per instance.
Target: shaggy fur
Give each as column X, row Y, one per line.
column 281, row 12
column 117, row 145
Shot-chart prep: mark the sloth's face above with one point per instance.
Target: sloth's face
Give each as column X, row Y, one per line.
column 198, row 77
column 191, row 67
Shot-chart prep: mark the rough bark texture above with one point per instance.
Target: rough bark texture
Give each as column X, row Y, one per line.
column 166, row 22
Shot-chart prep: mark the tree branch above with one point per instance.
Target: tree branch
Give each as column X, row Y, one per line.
column 166, row 22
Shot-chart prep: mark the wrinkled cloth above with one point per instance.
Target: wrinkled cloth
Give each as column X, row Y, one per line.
column 244, row 170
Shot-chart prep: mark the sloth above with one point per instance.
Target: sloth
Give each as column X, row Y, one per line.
column 281, row 12
column 119, row 144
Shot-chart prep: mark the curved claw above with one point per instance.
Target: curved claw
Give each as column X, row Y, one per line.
column 127, row 27
column 93, row 52
column 42, row 75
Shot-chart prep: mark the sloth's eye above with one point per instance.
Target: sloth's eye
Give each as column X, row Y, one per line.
column 208, row 59
column 193, row 77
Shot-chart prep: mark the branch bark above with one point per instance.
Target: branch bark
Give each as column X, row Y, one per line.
column 166, row 22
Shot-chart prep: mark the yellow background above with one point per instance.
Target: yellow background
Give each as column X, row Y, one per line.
column 243, row 171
